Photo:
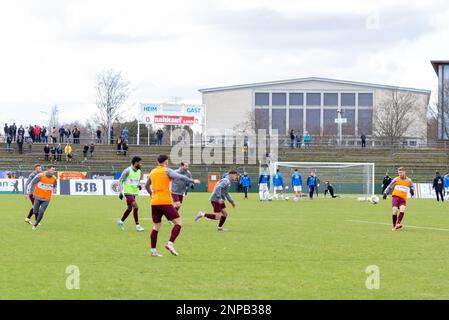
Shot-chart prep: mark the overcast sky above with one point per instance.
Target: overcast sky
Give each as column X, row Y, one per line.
column 51, row 50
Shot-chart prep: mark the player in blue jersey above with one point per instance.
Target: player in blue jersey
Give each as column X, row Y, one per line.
column 264, row 181
column 311, row 183
column 446, row 186
column 278, row 184
column 245, row 182
column 296, row 182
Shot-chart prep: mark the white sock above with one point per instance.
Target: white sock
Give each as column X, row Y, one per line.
column 170, row 243
column 153, row 250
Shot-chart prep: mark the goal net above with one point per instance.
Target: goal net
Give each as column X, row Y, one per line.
column 347, row 178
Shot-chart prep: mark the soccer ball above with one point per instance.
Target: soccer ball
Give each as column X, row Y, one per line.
column 270, row 198
column 374, row 199
column 286, row 198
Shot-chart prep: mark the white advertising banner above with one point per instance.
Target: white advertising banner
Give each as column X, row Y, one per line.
column 171, row 114
column 11, row 186
column 424, row 191
column 112, row 188
column 86, row 187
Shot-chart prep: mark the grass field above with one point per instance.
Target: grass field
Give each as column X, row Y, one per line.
column 273, row 250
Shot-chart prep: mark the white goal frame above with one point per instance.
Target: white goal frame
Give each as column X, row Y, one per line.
column 333, row 165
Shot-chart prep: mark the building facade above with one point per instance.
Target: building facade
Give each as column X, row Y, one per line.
column 441, row 68
column 308, row 104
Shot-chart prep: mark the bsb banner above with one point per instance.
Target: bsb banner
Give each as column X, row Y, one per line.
column 11, row 186
column 86, row 187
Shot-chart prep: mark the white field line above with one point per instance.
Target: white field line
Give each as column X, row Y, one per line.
column 406, row 226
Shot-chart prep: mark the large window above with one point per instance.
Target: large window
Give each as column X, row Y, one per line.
column 365, row 99
column 365, row 122
column 262, row 118
column 348, row 128
column 278, row 120
column 314, row 99
column 296, row 99
column 262, row 99
column 313, row 117
column 279, row 99
column 348, row 99
column 329, row 125
column 330, row 99
column 296, row 120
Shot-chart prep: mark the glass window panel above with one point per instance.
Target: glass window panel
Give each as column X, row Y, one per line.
column 262, row 99
column 329, row 125
column 314, row 99
column 365, row 122
column 296, row 99
column 348, row 99
column 279, row 99
column 313, row 121
column 365, row 99
column 262, row 118
column 279, row 121
column 330, row 99
column 295, row 120
column 349, row 127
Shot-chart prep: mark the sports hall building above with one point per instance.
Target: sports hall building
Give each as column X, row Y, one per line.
column 309, row 104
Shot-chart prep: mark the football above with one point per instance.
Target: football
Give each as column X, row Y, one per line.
column 375, row 199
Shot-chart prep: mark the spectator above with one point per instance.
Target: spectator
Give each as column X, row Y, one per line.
column 59, row 152
column 307, row 139
column 125, row 148
column 68, row 152
column 298, row 141
column 44, row 135
column 91, row 150
column 54, row 135
column 292, row 138
column 30, row 144
column 31, row 132
column 159, row 136
column 47, row 152
column 53, row 153
column 76, row 133
column 99, row 136
column 363, row 138
column 37, row 134
column 112, row 135
column 61, row 134
column 119, row 145
column 85, row 150
column 125, row 134
column 20, row 141
column 6, row 130
column 8, row 143
column 68, row 133
column 21, row 131
column 13, row 130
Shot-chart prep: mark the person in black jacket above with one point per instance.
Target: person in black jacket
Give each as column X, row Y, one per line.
column 329, row 189
column 438, row 184
column 85, row 150
column 47, row 152
column 386, row 182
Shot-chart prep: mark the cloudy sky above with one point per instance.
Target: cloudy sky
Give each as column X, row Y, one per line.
column 51, row 50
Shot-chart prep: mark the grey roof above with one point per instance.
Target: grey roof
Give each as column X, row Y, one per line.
column 436, row 63
column 270, row 83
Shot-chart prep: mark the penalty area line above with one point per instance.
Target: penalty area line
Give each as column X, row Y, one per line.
column 406, row 226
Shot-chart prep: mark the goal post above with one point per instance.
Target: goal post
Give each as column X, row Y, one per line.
column 347, row 178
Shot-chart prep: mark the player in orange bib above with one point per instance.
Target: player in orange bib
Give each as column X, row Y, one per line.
column 44, row 185
column 158, row 186
column 401, row 186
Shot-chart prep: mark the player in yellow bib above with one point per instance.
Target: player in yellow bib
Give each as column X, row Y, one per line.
column 401, row 186
column 158, row 186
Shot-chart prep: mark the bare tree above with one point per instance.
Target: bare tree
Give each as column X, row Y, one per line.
column 440, row 111
column 53, row 120
column 248, row 125
column 112, row 92
column 394, row 116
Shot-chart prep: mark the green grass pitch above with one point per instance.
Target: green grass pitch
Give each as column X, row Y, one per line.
column 316, row 249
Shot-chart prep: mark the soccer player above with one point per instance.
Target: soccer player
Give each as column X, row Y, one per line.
column 311, row 183
column 158, row 186
column 29, row 192
column 278, row 184
column 296, row 182
column 129, row 185
column 400, row 185
column 264, row 181
column 438, row 185
column 329, row 189
column 180, row 186
column 217, row 199
column 446, row 186
column 44, row 185
column 245, row 182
